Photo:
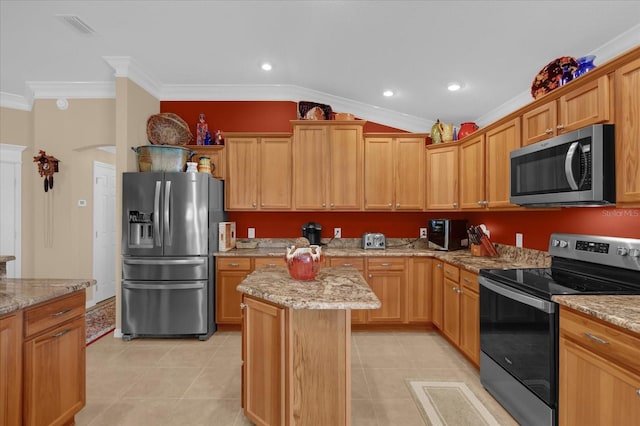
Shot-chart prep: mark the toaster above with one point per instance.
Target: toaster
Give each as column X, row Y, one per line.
column 373, row 240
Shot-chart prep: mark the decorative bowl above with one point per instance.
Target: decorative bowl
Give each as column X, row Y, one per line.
column 303, row 263
column 549, row 77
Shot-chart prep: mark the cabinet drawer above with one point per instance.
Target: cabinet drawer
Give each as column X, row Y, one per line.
column 469, row 280
column 233, row 263
column 452, row 272
column 53, row 313
column 386, row 264
column 269, row 262
column 600, row 338
column 356, row 262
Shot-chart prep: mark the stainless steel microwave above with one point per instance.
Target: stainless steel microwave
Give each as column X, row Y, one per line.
column 573, row 169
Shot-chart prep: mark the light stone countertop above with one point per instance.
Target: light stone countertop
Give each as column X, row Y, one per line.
column 623, row 311
column 5, row 259
column 20, row 293
column 333, row 288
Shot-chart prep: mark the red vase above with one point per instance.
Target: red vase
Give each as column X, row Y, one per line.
column 466, row 129
column 303, row 263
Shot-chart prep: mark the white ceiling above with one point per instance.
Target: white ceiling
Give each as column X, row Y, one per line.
column 344, row 53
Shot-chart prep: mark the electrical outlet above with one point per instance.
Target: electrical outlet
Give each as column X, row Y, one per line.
column 518, row 239
column 337, row 232
column 251, row 232
column 423, row 232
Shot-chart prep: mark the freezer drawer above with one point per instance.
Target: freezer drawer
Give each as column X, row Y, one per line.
column 164, row 308
column 165, row 268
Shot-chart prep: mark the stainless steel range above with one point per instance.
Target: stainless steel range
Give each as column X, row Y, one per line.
column 519, row 321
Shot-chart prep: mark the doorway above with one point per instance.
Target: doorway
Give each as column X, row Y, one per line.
column 104, row 233
column 11, row 206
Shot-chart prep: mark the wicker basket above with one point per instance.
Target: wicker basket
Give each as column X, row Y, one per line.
column 168, row 129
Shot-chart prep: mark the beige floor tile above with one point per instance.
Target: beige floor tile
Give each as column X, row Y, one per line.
column 388, row 383
column 110, row 381
column 163, row 382
column 187, row 356
column 374, row 338
column 140, row 356
column 209, row 412
column 394, row 412
column 434, row 356
column 216, row 382
column 138, row 412
column 363, row 413
column 92, row 410
column 359, row 387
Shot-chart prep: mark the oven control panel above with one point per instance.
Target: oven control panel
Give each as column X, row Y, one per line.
column 610, row 251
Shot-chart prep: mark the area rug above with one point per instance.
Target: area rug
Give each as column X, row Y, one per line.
column 449, row 404
column 101, row 320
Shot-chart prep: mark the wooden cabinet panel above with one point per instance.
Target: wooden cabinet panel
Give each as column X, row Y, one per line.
column 11, row 369
column 387, row 277
column 539, row 123
column 309, row 152
column 451, row 310
column 627, row 107
column 470, row 316
column 438, row 289
column 275, row 173
column 230, row 271
column 241, row 189
column 472, row 173
column 500, row 142
column 53, row 313
column 409, row 174
column 54, row 374
column 419, row 290
column 345, row 168
column 216, row 158
column 378, row 170
column 442, row 177
column 269, row 262
column 585, row 105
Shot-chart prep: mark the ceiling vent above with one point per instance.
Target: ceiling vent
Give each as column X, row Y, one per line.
column 77, row 23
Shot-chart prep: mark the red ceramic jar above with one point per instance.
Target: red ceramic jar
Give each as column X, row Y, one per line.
column 466, row 129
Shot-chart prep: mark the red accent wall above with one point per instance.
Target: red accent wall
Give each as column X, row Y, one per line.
column 274, row 116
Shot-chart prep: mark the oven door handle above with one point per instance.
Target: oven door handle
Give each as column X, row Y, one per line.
column 519, row 296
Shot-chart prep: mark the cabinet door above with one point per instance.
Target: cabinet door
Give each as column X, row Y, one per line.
column 229, row 273
column 216, row 157
column 442, row 178
column 419, row 290
column 241, row 189
column 410, row 174
column 472, row 175
column 54, row 374
column 540, row 123
column 345, row 167
column 264, row 362
column 11, row 369
column 499, row 143
column 587, row 104
column 627, row 80
column 451, row 310
column 390, row 287
column 379, row 174
column 438, row 288
column 470, row 324
column 594, row 391
column 310, row 149
column 275, row 173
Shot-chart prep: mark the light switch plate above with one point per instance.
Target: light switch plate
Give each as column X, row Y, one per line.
column 518, row 239
column 251, row 232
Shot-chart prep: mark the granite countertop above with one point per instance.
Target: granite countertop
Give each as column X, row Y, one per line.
column 4, row 259
column 333, row 288
column 623, row 311
column 19, row 293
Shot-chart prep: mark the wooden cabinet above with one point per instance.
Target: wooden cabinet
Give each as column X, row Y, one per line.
column 472, row 172
column 358, row 316
column 296, row 365
column 394, row 172
column 451, row 303
column 419, row 290
column 599, row 372
column 437, row 281
column 588, row 102
column 500, row 141
column 627, row 110
column 259, row 173
column 11, row 369
column 327, row 165
column 54, row 361
column 387, row 277
column 230, row 271
column 216, row 158
column 442, row 177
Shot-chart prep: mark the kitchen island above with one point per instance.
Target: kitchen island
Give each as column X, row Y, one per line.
column 296, row 345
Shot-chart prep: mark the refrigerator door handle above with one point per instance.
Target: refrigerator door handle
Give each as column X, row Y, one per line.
column 156, row 215
column 164, row 261
column 167, row 215
column 175, row 286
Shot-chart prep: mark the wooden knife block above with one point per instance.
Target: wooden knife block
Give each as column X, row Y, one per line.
column 478, row 250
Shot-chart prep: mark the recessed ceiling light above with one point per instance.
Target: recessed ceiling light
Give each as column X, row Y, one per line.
column 266, row 66
column 387, row 93
column 454, row 86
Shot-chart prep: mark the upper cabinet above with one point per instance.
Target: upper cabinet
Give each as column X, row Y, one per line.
column 258, row 172
column 587, row 103
column 327, row 165
column 627, row 80
column 442, row 176
column 394, row 172
column 215, row 153
column 500, row 141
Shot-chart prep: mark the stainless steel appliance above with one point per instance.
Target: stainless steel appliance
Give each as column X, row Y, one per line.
column 573, row 169
column 169, row 234
column 448, row 234
column 313, row 232
column 519, row 321
column 374, row 240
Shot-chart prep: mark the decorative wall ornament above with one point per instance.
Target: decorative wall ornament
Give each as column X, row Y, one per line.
column 47, row 166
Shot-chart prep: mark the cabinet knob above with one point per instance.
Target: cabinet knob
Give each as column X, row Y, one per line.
column 370, row 276
column 455, row 205
column 638, row 392
column 481, row 203
column 347, row 264
column 242, row 305
column 596, row 339
column 389, row 205
column 261, row 204
column 62, row 333
column 332, row 205
column 454, row 289
column 324, row 204
column 233, row 265
column 397, row 205
column 548, row 131
column 253, row 204
column 439, row 265
column 560, row 126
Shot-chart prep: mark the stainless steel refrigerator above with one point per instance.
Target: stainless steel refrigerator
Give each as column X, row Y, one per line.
column 169, row 234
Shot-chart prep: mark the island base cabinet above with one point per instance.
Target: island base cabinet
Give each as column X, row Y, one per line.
column 296, row 365
column 11, row 369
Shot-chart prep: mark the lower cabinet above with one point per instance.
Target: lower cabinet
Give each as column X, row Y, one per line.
column 599, row 372
column 387, row 277
column 230, row 271
column 11, row 369
column 437, row 283
column 419, row 290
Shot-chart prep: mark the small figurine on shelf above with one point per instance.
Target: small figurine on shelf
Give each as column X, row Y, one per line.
column 201, row 130
column 207, row 138
column 219, row 139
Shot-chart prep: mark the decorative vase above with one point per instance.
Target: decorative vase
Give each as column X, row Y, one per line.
column 567, row 75
column 447, row 132
column 303, row 263
column 466, row 129
column 585, row 64
column 192, row 167
column 436, row 132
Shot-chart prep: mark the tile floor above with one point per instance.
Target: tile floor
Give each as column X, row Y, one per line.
column 187, row 382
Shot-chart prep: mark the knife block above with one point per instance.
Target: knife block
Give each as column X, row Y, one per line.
column 478, row 250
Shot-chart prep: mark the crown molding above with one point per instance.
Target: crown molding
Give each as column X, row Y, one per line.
column 72, row 89
column 125, row 66
column 11, row 101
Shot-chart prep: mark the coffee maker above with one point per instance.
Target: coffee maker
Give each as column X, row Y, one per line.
column 313, row 232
